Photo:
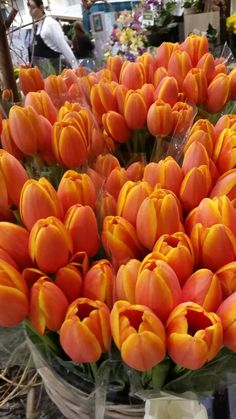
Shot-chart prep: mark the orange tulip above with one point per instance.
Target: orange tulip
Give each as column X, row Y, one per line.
column 116, row 126
column 76, row 188
column 196, row 46
column 69, row 76
column 218, row 210
column 67, row 108
column 183, row 115
column 8, row 142
column 149, row 64
column 114, row 64
column 225, row 185
column 106, row 205
column 195, row 156
column 195, row 186
column 179, row 65
column 227, row 278
column 214, row 246
column 130, row 198
column 207, row 64
column 30, row 80
column 135, row 171
column 148, row 91
column 24, row 124
column 57, row 89
column 126, row 279
column 135, row 109
column 218, row 93
column 138, row 334
column 105, row 164
column 202, row 131
column 81, row 223
column 166, row 173
column 160, row 213
column 103, row 99
column 69, row 145
column 164, row 52
column 225, row 150
column 194, row 335
column 178, row 251
column 45, row 141
column 98, row 283
column 120, row 92
column 115, row 181
column 50, row 245
column 159, row 74
column 232, row 78
column 69, row 280
column 14, row 239
column 5, row 256
column 225, row 121
column 31, row 275
column 195, row 86
column 42, row 104
column 13, row 296
column 120, row 240
column 226, row 312
column 167, row 90
column 86, row 333
column 204, row 288
column 33, row 193
column 48, row 306
column 132, row 75
column 159, row 118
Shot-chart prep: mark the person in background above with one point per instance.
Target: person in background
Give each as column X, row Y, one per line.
column 48, row 41
column 82, row 45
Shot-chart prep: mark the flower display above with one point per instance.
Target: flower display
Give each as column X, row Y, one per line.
column 117, row 229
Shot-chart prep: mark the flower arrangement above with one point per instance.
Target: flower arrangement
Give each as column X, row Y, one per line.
column 115, row 262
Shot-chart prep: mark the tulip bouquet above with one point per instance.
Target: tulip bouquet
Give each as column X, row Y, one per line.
column 123, row 270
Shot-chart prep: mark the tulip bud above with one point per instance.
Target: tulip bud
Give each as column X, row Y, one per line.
column 98, row 283
column 135, row 109
column 130, row 198
column 195, row 186
column 114, row 64
column 69, row 280
column 202, row 131
column 207, row 64
column 194, row 335
column 195, row 86
column 42, row 104
column 179, row 65
column 159, row 118
column 225, row 121
column 85, row 333
column 81, row 223
column 225, row 185
column 116, row 126
column 196, row 46
column 138, row 334
column 48, row 306
column 30, row 80
column 226, row 312
column 183, row 115
column 135, row 171
column 224, row 151
column 227, row 278
column 217, row 93
column 57, row 89
column 14, row 239
column 126, row 279
column 167, row 90
column 195, row 156
column 8, row 142
column 157, row 285
column 132, row 75
column 159, row 74
column 50, row 245
column 115, row 181
column 164, row 52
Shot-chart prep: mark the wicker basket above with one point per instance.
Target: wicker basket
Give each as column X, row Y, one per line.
column 74, row 403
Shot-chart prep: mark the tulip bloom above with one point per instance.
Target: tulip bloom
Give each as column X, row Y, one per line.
column 130, row 198
column 225, row 150
column 13, row 296
column 14, row 239
column 135, row 171
column 157, row 285
column 232, row 77
column 30, row 80
column 24, row 124
column 116, row 126
column 164, row 52
column 81, row 223
column 160, row 213
column 225, row 121
column 159, row 74
column 135, row 109
column 132, row 75
column 167, row 90
column 218, row 210
column 159, row 118
column 105, row 164
column 86, row 333
column 98, row 283
column 183, row 115
column 178, row 251
column 196, row 46
column 213, row 246
column 120, row 240
column 114, row 64
column 179, row 65
column 120, row 92
column 202, row 131
column 207, row 64
column 38, row 200
column 166, row 173
column 76, row 188
column 8, row 142
column 103, row 99
column 69, row 280
column 226, row 312
column 227, row 278
column 42, row 104
column 225, row 185
column 48, row 306
column 149, row 65
column 50, row 245
column 138, row 334
column 126, row 279
column 57, row 89
column 217, row 93
column 195, row 186
column 69, row 145
column 194, row 335
column 195, row 156
column 195, row 86
column 204, row 288
column 115, row 181
column 148, row 93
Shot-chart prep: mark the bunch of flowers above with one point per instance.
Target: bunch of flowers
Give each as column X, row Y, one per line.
column 110, row 260
column 231, row 23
